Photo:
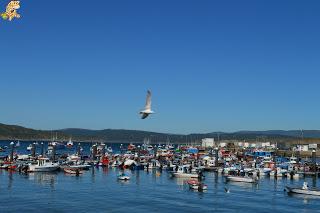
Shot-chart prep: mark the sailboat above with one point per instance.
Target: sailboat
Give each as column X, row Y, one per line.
column 55, row 143
column 70, row 143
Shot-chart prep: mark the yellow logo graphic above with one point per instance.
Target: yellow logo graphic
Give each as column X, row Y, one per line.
column 11, row 11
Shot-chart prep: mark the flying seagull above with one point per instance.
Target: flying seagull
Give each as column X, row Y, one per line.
column 147, row 109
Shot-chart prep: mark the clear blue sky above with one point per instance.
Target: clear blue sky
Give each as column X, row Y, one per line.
column 211, row 65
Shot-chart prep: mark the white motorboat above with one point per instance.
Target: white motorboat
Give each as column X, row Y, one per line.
column 303, row 190
column 70, row 143
column 199, row 187
column 74, row 158
column 109, row 149
column 23, row 157
column 264, row 171
column 182, row 173
column 278, row 172
column 185, row 175
column 73, row 171
column 29, row 148
column 293, row 160
column 241, row 179
column 123, row 177
column 196, row 185
column 43, row 165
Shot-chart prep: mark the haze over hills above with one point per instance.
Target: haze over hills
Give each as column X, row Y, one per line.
column 10, row 132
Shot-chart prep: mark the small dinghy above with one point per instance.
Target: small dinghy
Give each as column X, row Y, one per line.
column 196, row 185
column 29, row 148
column 123, row 177
column 73, row 171
column 303, row 190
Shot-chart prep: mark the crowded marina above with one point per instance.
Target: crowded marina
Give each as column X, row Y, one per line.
column 245, row 163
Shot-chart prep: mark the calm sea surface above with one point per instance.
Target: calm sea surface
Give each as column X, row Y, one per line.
column 98, row 190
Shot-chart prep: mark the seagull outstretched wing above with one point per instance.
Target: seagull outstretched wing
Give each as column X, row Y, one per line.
column 148, row 101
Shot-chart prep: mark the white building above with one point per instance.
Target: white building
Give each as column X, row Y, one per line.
column 313, row 146
column 208, row 142
column 302, row 148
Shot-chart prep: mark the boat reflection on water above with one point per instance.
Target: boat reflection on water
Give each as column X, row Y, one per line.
column 123, row 182
column 181, row 181
column 10, row 179
column 305, row 198
column 243, row 185
column 105, row 170
column 43, row 178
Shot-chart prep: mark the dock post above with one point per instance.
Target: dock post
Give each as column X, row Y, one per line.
column 103, row 150
column 54, row 153
column 33, row 150
column 314, row 162
column 121, row 149
column 94, row 152
column 12, row 150
column 139, row 149
column 217, row 156
column 42, row 149
column 79, row 149
column 274, row 157
column 298, row 156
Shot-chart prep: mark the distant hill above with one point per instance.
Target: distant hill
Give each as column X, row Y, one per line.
column 291, row 133
column 120, row 135
column 11, row 132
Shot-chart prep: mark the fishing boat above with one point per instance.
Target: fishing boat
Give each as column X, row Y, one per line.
column 104, row 161
column 131, row 147
column 73, row 171
column 12, row 167
column 303, row 190
column 81, row 166
column 8, row 165
column 43, row 165
column 4, row 166
column 244, row 179
column 74, row 158
column 278, row 172
column 196, row 185
column 57, row 145
column 123, row 177
column 115, row 164
column 70, row 143
column 264, row 171
column 18, row 144
column 76, row 166
column 182, row 173
column 149, row 148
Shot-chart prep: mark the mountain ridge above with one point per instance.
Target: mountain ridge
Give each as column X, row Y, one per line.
column 9, row 132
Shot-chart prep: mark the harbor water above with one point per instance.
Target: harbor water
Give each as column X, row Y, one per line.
column 98, row 190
